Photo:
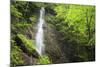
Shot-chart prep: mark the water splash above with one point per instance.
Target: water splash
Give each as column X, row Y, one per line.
column 39, row 35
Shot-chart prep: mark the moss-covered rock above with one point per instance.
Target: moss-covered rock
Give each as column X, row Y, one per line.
column 27, row 45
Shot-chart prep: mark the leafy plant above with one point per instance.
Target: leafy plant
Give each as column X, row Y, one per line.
column 44, row 60
column 16, row 57
column 15, row 12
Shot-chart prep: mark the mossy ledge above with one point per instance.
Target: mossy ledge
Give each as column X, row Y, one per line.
column 23, row 50
column 28, row 46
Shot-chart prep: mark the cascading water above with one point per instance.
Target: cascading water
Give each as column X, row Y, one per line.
column 39, row 35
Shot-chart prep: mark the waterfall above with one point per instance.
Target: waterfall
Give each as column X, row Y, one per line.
column 39, row 35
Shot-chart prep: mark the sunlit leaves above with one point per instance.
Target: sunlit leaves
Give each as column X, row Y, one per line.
column 73, row 19
column 15, row 12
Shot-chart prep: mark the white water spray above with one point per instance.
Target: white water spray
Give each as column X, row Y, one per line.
column 39, row 35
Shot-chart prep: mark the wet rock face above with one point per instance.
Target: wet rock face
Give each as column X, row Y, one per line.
column 52, row 46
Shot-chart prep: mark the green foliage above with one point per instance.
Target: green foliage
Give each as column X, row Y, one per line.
column 27, row 43
column 22, row 24
column 91, row 41
column 39, row 5
column 50, row 19
column 16, row 57
column 20, row 27
column 73, row 20
column 33, row 18
column 44, row 60
column 74, row 24
column 15, row 12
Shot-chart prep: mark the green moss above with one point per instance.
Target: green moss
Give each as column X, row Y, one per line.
column 29, row 44
column 16, row 57
column 44, row 60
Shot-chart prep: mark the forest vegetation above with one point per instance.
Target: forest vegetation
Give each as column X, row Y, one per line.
column 69, row 33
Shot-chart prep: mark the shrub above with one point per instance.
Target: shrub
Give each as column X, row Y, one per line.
column 16, row 57
column 44, row 60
